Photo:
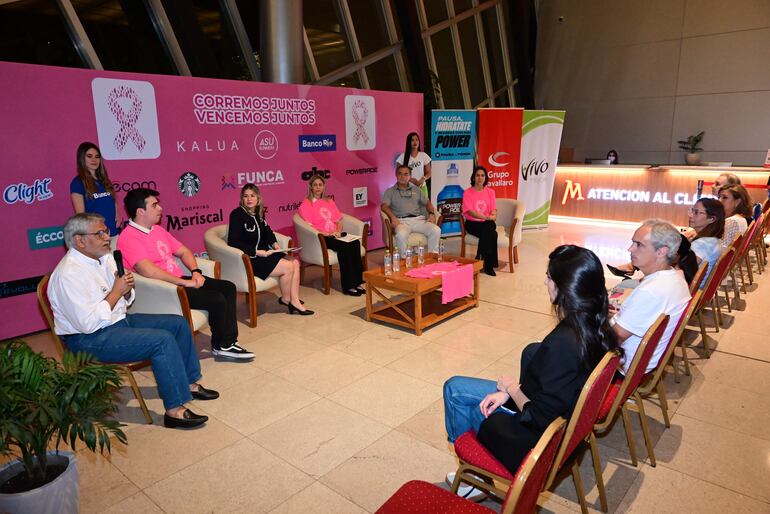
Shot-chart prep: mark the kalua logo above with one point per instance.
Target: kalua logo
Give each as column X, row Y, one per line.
column 266, row 144
column 260, row 178
column 126, row 119
column 312, row 172
column 189, row 184
column 220, row 145
column 22, row 192
column 317, row 143
column 360, row 122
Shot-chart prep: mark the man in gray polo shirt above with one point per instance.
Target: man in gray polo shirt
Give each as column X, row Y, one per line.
column 410, row 210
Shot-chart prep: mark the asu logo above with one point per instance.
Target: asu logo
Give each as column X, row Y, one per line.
column 573, row 190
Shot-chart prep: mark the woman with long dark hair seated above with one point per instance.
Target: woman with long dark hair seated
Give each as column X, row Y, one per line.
column 511, row 414
column 707, row 219
column 480, row 211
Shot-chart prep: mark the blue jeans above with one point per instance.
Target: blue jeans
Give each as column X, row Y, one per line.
column 462, row 396
column 164, row 339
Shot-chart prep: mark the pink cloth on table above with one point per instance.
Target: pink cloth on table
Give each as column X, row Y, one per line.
column 456, row 279
column 323, row 214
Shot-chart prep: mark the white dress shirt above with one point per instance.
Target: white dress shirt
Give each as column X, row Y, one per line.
column 77, row 291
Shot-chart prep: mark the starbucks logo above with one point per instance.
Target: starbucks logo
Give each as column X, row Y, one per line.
column 189, row 184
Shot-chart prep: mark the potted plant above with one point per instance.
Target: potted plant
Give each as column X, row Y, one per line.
column 43, row 402
column 690, row 145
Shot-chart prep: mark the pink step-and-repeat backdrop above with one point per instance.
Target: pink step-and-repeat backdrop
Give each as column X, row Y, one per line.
column 196, row 141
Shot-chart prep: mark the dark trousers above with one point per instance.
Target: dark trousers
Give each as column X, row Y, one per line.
column 218, row 298
column 349, row 257
column 486, row 231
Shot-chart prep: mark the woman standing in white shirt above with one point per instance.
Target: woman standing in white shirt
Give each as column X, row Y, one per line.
column 419, row 162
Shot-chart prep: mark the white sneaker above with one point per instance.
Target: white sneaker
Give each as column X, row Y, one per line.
column 465, row 490
column 232, row 352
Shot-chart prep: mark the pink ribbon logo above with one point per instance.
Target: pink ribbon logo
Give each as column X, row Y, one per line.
column 126, row 120
column 360, row 114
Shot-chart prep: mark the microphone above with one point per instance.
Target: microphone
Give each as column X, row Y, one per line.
column 699, row 192
column 119, row 262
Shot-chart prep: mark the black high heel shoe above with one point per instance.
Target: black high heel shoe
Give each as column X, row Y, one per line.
column 294, row 310
column 280, row 300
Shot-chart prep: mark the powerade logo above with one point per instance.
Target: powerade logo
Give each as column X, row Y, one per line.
column 318, row 143
column 46, row 237
column 28, row 194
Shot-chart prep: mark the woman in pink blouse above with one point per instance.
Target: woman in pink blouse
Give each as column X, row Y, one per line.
column 322, row 213
column 480, row 211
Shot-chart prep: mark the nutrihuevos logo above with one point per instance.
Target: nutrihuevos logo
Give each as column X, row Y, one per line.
column 126, row 119
column 28, row 193
column 266, row 144
column 189, row 184
column 360, row 122
column 312, row 172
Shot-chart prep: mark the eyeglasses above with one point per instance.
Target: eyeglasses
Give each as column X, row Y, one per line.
column 99, row 233
column 695, row 212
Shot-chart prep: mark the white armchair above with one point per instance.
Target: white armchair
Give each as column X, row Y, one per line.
column 236, row 266
column 415, row 238
column 510, row 218
column 155, row 296
column 314, row 251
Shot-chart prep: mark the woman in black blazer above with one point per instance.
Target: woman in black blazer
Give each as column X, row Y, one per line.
column 512, row 414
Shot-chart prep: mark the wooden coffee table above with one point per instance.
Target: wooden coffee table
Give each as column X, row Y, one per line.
column 419, row 305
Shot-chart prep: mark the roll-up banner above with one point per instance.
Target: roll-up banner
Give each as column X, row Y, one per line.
column 453, row 133
column 500, row 148
column 540, row 139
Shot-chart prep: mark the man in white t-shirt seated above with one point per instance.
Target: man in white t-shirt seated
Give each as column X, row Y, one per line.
column 663, row 290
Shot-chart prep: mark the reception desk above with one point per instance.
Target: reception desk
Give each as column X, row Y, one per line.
column 637, row 192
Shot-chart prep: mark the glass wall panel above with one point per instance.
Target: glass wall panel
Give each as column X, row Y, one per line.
column 462, row 5
column 348, row 81
column 446, row 63
column 249, row 11
column 327, row 38
column 502, row 100
column 472, row 60
column 494, row 48
column 435, row 11
column 206, row 39
column 123, row 36
column 34, row 32
column 369, row 22
column 383, row 75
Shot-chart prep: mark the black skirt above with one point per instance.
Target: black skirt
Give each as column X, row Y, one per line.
column 263, row 266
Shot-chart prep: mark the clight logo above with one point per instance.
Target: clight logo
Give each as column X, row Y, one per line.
column 126, row 119
column 360, row 122
column 28, row 194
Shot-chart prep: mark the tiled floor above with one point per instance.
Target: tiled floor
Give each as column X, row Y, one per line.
column 336, row 413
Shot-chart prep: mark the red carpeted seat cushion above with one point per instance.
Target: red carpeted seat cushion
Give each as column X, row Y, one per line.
column 470, row 450
column 612, row 393
column 418, row 497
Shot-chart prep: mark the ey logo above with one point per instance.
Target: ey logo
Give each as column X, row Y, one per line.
column 573, row 190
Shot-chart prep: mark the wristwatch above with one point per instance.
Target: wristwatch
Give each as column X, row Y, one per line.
column 196, row 270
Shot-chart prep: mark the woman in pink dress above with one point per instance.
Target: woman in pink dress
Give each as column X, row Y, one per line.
column 480, row 211
column 322, row 213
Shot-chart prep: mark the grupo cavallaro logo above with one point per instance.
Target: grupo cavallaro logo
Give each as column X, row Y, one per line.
column 38, row 191
column 317, row 142
column 126, row 119
column 189, row 184
column 260, row 178
column 130, row 186
column 46, row 237
column 313, row 172
column 266, row 144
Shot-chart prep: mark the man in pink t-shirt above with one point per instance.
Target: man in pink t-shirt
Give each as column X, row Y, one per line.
column 149, row 250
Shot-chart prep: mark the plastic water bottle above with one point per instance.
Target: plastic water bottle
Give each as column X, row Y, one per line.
column 388, row 263
column 450, row 201
column 441, row 250
column 408, row 257
column 396, row 262
column 420, row 255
